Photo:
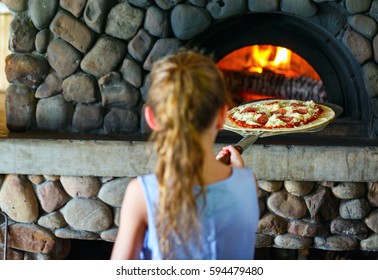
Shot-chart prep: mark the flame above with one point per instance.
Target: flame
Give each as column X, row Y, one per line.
column 276, row 59
column 268, row 57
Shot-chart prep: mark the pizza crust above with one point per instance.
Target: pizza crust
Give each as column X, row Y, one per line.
column 326, row 116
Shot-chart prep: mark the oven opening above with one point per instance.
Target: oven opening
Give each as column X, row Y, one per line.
column 267, row 71
column 270, row 55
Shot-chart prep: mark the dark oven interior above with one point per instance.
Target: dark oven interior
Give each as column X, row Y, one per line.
column 338, row 77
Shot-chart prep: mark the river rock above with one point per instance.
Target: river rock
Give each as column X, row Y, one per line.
column 16, row 5
column 303, row 8
column 116, row 91
column 131, row 72
column 109, row 235
column 41, row 12
column 287, row 205
column 263, row 240
column 42, row 40
column 19, row 107
column 335, row 243
column 51, row 195
column 355, row 7
column 121, row 121
column 31, row 238
column 364, row 25
column 358, row 45
column 96, row 12
column 161, row 48
column 299, row 188
column 18, row 200
column 263, row 5
column 52, row 220
column 80, row 87
column 72, row 30
column 113, row 192
column 63, row 58
column 271, row 224
column 188, row 21
column 22, row 35
column 124, row 21
column 74, row 7
column 270, row 186
column 322, row 205
column 28, row 69
column 372, row 221
column 305, row 228
column 87, row 117
column 87, row 214
column 157, row 22
column 167, row 4
column 349, row 190
column 370, row 244
column 105, row 55
column 349, row 227
column 81, row 186
column 354, row 209
column 292, row 241
column 370, row 74
column 36, row 179
column 226, row 8
column 117, row 214
column 54, row 113
column 51, row 86
column 373, row 194
column 140, row 45
column 69, row 233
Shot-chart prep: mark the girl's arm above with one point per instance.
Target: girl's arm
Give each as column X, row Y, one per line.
column 133, row 224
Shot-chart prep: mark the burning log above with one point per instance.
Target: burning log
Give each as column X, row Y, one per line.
column 275, row 85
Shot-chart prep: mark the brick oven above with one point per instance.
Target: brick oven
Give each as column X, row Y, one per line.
column 78, row 77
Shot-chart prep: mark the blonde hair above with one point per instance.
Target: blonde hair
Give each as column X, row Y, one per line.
column 186, row 92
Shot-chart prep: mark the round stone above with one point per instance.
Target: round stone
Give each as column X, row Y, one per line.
column 87, row 214
column 349, row 190
column 354, row 209
column 299, row 188
column 270, row 186
column 292, row 241
column 287, row 205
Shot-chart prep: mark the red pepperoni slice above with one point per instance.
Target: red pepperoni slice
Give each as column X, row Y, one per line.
column 249, row 110
column 271, row 102
column 263, row 119
column 301, row 111
column 285, row 119
column 280, row 111
column 295, row 105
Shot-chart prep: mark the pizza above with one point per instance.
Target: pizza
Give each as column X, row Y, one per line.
column 278, row 114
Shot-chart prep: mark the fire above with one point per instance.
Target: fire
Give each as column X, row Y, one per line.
column 260, row 58
column 269, row 57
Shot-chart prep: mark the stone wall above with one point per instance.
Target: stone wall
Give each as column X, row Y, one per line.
column 82, row 66
column 46, row 212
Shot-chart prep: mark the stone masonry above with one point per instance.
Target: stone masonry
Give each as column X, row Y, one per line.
column 82, row 66
column 337, row 216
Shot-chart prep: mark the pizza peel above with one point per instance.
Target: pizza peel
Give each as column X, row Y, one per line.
column 250, row 136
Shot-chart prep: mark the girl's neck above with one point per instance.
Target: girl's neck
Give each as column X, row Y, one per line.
column 213, row 170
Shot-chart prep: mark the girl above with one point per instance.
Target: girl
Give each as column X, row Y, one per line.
column 194, row 206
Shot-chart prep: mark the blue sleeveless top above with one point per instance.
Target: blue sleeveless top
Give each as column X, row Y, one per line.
column 228, row 222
